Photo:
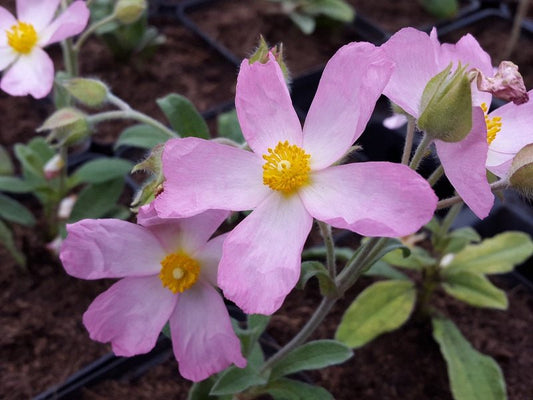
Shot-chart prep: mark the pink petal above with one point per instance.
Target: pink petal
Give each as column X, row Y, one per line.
column 39, row 13
column 7, row 56
column 110, row 248
column 209, row 257
column 347, row 93
column 371, row 198
column 261, row 257
column 264, row 107
column 30, row 74
column 71, row 22
column 516, row 132
column 202, row 175
column 130, row 315
column 464, row 165
column 203, row 339
column 7, row 20
column 415, row 55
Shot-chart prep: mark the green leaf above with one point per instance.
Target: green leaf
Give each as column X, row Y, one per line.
column 384, row 270
column 11, row 184
column 380, row 308
column 334, row 9
column 256, row 326
column 493, row 256
column 473, row 375
column 32, row 165
column 317, row 269
column 441, row 8
column 100, row 170
column 474, row 289
column 304, row 22
column 457, row 240
column 7, row 240
column 416, row 260
column 6, row 166
column 143, row 136
column 289, row 389
column 228, row 126
column 312, row 355
column 41, row 148
column 183, row 116
column 11, row 210
column 235, row 380
column 97, row 199
column 200, row 391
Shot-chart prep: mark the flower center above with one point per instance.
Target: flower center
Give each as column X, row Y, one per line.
column 286, row 168
column 179, row 272
column 22, row 37
column 494, row 124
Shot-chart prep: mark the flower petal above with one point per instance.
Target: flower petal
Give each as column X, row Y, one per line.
column 7, row 20
column 39, row 13
column 71, row 22
column 203, row 339
column 264, row 107
column 464, row 165
column 261, row 257
column 209, row 257
column 110, row 248
column 371, row 198
column 415, row 55
column 30, row 74
column 202, row 175
column 7, row 56
column 516, row 132
column 347, row 93
column 130, row 315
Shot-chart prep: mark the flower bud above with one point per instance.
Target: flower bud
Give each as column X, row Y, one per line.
column 154, row 185
column 447, row 106
column 89, row 92
column 262, row 55
column 507, row 84
column 68, row 126
column 521, row 171
column 53, row 167
column 129, row 11
column 66, row 206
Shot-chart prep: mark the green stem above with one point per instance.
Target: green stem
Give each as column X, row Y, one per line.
column 521, row 13
column 325, row 231
column 420, row 152
column 429, row 284
column 447, row 222
column 342, row 253
column 90, row 30
column 131, row 114
column 117, row 101
column 436, row 175
column 408, row 146
column 495, row 187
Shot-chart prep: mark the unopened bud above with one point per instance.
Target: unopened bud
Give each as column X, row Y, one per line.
column 154, row 185
column 447, row 106
column 262, row 55
column 68, row 126
column 66, row 206
column 446, row 260
column 129, row 11
column 89, row 92
column 521, row 171
column 507, row 84
column 53, row 167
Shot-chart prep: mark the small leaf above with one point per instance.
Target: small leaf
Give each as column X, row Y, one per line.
column 473, row 375
column 183, row 116
column 97, row 199
column 228, row 126
column 441, row 8
column 235, row 380
column 474, row 289
column 7, row 240
column 312, row 355
column 493, row 256
column 143, row 136
column 289, row 389
column 11, row 210
column 256, row 326
column 418, row 259
column 315, row 268
column 334, row 9
column 100, row 170
column 380, row 308
column 304, row 22
column 6, row 166
column 384, row 270
column 10, row 184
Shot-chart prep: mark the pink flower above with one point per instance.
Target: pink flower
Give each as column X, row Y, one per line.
column 290, row 177
column 419, row 57
column 169, row 269
column 510, row 128
column 29, row 70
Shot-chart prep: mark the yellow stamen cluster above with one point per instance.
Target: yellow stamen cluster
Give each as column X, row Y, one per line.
column 179, row 272
column 286, row 168
column 22, row 37
column 494, row 124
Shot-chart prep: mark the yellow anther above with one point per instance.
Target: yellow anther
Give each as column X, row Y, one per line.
column 22, row 37
column 179, row 272
column 494, row 124
column 286, row 168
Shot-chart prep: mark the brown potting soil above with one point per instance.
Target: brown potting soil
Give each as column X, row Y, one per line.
column 42, row 339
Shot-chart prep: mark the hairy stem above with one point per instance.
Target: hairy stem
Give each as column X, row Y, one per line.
column 420, row 152
column 131, row 114
column 408, row 146
column 331, row 262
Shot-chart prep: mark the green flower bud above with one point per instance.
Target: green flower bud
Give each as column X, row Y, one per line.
column 521, row 171
column 68, row 126
column 129, row 11
column 89, row 92
column 447, row 106
column 261, row 54
column 154, row 184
